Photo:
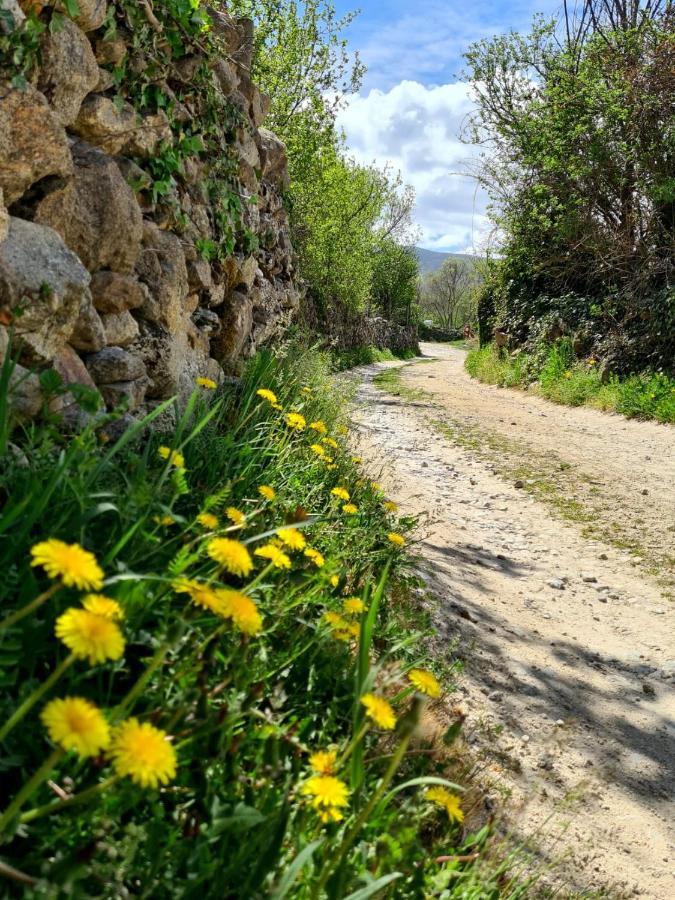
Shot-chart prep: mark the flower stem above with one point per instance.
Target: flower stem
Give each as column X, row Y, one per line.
column 29, row 787
column 58, row 805
column 37, row 695
column 19, row 614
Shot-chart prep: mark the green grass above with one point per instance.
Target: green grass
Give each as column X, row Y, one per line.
column 362, row 356
column 243, row 711
column 562, row 378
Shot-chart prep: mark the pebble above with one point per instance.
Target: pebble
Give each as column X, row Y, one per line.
column 557, row 584
column 588, row 579
column 497, row 696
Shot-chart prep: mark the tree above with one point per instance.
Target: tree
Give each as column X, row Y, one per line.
column 446, row 295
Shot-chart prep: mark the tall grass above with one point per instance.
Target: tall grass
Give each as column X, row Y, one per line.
column 244, row 706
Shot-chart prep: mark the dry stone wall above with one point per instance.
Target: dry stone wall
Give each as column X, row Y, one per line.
column 102, row 283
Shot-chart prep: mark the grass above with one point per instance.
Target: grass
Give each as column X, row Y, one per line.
column 559, row 376
column 362, row 356
column 244, row 702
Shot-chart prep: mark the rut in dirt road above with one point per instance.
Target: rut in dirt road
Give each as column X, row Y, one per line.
column 568, row 641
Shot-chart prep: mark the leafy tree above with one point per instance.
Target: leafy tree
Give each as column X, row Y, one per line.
column 448, row 295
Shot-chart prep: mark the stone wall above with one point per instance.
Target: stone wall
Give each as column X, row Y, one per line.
column 101, row 282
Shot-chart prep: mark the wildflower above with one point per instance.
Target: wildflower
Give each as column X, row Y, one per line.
column 334, row 619
column 207, row 383
column 323, row 762
column 75, row 566
column 357, row 460
column 164, row 520
column 335, row 580
column 329, row 796
column 425, row 682
column 200, row 594
column 307, row 391
column 390, row 506
column 350, row 509
column 449, row 802
column 376, row 486
column 330, row 442
column 296, row 420
column 103, row 606
column 231, row 555
column 379, row 710
column 331, row 467
column 341, row 493
column 89, row 636
column 396, row 539
column 267, row 492
column 270, row 396
column 236, row 516
column 353, row 606
column 343, row 430
column 144, row 753
column 592, row 362
column 316, row 557
column 568, row 375
column 175, row 458
column 341, row 634
column 76, row 724
column 292, row 538
column 241, row 610
column 318, row 449
column 319, row 427
column 276, row 556
column 208, row 520
column 278, row 407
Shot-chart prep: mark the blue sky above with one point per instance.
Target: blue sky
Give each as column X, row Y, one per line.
column 412, row 104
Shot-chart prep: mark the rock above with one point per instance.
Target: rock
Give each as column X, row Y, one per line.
column 273, row 159
column 237, row 320
column 115, row 364
column 556, row 584
column 225, row 73
column 121, row 329
column 129, row 394
column 260, row 107
column 162, row 268
column 39, row 273
column 114, row 292
column 14, row 10
column 4, row 219
column 587, row 578
column 519, row 484
column 95, row 213
column 88, row 333
column 68, row 71
column 173, row 361
column 91, row 13
column 33, row 143
column 648, row 690
column 105, row 81
column 146, row 138
column 25, row 394
column 72, row 369
column 199, row 274
column 104, row 124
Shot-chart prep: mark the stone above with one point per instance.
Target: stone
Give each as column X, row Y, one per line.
column 88, row 333
column 33, row 143
column 199, row 274
column 111, row 51
column 114, row 292
column 114, row 364
column 260, row 107
column 121, row 329
column 40, row 274
column 104, row 124
column 91, row 13
column 273, row 159
column 173, row 361
column 15, row 12
column 71, row 368
column 25, row 394
column 68, row 71
column 161, row 266
column 95, row 213
column 4, row 218
column 226, row 76
column 237, row 320
column 557, row 584
column 146, row 138
column 588, row 578
column 105, row 81
column 128, row 394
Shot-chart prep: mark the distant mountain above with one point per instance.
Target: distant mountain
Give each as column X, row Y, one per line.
column 432, row 260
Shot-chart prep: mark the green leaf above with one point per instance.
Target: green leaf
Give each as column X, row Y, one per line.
column 373, row 888
column 452, row 733
column 292, row 872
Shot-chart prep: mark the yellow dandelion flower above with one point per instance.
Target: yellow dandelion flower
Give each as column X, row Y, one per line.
column 267, row 492
column 396, row 539
column 76, row 724
column 164, row 520
column 231, row 555
column 207, row 383
column 296, row 420
column 329, row 796
column 276, row 556
column 568, row 375
column 449, row 802
column 354, row 630
column 335, row 580
column 331, row 467
column 89, row 636
column 241, row 610
column 307, row 391
column 334, row 619
column 323, row 761
column 236, row 516
column 357, row 460
column 425, row 682
column 319, row 427
column 72, row 564
column 208, row 520
column 318, row 449
column 103, row 606
column 316, row 557
column 278, row 407
column 379, row 710
column 353, row 606
column 350, row 509
column 200, row 593
column 292, row 538
column 343, row 430
column 341, row 634
column 328, row 460
column 376, row 486
column 269, row 396
column 144, row 753
column 330, row 442
column 175, row 458
column 341, row 493
column 390, row 506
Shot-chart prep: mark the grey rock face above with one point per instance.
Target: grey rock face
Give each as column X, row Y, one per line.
column 68, row 72
column 115, row 364
column 114, row 292
column 121, row 329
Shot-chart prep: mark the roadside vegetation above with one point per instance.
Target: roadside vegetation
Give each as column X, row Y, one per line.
column 558, row 375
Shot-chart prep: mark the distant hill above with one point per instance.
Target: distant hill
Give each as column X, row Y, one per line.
column 432, row 260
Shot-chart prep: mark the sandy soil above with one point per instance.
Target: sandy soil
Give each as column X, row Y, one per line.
column 569, row 646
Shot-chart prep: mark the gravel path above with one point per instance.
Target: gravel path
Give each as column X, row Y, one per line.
column 568, row 642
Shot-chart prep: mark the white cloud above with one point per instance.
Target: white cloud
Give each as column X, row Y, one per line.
column 415, row 129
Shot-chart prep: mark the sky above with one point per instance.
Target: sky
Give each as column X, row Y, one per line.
column 413, row 102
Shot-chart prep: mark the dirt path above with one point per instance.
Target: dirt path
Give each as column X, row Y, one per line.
column 569, row 645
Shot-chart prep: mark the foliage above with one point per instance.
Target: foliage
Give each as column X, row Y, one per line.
column 447, row 296
column 579, row 165
column 363, row 356
column 557, row 374
column 395, row 276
